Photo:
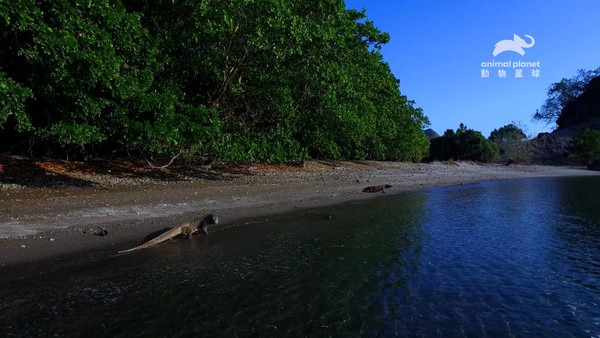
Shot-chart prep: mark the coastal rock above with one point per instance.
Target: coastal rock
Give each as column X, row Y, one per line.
column 551, row 149
column 578, row 115
column 584, row 111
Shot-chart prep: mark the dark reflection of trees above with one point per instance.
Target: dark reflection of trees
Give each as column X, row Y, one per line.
column 574, row 250
column 580, row 207
column 372, row 250
column 325, row 271
column 321, row 272
column 577, row 231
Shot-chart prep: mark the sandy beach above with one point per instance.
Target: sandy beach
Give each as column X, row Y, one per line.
column 60, row 220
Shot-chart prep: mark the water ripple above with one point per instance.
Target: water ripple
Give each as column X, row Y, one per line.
column 495, row 259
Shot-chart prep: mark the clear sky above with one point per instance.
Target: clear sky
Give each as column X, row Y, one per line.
column 437, row 48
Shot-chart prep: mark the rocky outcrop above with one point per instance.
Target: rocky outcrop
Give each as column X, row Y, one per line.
column 578, row 115
column 551, row 148
column 431, row 133
column 584, row 111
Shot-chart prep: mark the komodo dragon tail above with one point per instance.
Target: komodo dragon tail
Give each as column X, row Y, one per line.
column 185, row 229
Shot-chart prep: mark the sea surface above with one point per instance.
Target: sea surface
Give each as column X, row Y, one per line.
column 516, row 258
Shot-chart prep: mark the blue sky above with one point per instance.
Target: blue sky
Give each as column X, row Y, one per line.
column 437, row 48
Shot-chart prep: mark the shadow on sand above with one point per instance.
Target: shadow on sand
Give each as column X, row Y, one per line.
column 51, row 173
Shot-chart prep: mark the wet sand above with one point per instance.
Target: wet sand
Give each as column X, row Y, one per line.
column 39, row 222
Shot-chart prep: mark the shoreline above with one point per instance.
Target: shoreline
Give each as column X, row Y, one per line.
column 44, row 224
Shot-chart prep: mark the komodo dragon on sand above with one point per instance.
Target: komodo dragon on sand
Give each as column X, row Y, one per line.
column 376, row 188
column 186, row 230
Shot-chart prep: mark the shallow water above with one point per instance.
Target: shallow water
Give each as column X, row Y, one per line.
column 515, row 258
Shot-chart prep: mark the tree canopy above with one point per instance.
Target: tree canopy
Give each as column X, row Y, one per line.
column 587, row 145
column 244, row 80
column 511, row 142
column 509, row 132
column 464, row 144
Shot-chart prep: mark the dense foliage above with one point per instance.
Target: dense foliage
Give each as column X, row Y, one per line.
column 561, row 93
column 511, row 141
column 241, row 79
column 587, row 145
column 464, row 144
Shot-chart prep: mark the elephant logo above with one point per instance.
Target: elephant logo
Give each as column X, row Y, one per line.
column 515, row 45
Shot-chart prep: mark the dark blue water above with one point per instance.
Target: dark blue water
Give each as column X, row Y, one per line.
column 517, row 258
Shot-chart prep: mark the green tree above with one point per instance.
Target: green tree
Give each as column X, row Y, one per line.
column 587, row 145
column 464, row 144
column 12, row 104
column 87, row 69
column 511, row 141
column 288, row 79
column 241, row 79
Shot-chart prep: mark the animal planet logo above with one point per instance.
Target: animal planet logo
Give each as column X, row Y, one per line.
column 515, row 45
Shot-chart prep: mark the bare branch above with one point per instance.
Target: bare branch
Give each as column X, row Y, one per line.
column 164, row 166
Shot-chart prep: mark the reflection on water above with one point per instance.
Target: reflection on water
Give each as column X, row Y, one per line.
column 510, row 258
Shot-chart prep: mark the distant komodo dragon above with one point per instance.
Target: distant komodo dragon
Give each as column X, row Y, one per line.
column 186, row 230
column 377, row 188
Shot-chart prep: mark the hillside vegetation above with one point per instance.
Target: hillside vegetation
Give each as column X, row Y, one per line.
column 268, row 80
column 574, row 105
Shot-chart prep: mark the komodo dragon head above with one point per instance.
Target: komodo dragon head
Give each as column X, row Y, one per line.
column 209, row 219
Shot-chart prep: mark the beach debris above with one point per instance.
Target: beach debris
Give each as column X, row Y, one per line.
column 51, row 239
column 23, row 246
column 377, row 188
column 186, row 229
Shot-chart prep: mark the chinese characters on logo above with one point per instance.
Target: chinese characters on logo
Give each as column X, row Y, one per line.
column 517, row 74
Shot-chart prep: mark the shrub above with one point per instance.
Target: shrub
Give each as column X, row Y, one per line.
column 511, row 142
column 587, row 145
column 464, row 144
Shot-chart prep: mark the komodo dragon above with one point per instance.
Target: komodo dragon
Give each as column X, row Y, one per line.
column 376, row 188
column 186, row 230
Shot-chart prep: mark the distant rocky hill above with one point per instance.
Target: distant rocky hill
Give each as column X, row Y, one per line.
column 431, row 133
column 581, row 113
column 584, row 111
